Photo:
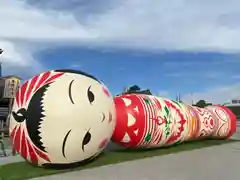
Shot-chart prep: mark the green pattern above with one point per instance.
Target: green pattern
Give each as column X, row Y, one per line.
column 178, row 104
column 148, row 137
column 178, row 142
column 167, row 124
column 166, row 110
column 147, row 100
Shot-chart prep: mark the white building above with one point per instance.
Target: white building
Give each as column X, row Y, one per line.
column 233, row 102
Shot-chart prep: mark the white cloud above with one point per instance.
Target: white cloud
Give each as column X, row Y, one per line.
column 174, row 75
column 17, row 53
column 190, row 25
column 23, row 26
column 174, row 25
column 215, row 95
column 163, row 93
column 213, row 75
column 75, row 66
column 177, row 24
column 237, row 77
column 19, row 21
column 208, row 75
column 17, row 59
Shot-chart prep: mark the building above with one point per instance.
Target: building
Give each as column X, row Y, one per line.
column 9, row 86
column 235, row 102
column 234, row 106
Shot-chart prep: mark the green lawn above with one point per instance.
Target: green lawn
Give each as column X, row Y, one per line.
column 22, row 170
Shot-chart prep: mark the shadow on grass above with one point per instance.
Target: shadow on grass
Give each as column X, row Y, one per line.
column 190, row 145
column 23, row 170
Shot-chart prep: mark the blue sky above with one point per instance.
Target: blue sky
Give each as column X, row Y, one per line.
column 175, row 72
column 172, row 47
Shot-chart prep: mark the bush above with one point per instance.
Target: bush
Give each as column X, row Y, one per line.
column 235, row 110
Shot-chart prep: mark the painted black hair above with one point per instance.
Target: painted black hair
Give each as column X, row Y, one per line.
column 35, row 116
column 77, row 72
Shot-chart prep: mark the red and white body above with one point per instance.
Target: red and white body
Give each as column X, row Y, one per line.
column 148, row 121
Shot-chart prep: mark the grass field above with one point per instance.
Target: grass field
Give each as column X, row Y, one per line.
column 22, row 170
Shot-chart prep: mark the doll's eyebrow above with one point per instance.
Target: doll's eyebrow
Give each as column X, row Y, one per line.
column 70, row 92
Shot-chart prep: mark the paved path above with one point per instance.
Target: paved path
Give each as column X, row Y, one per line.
column 10, row 159
column 212, row 163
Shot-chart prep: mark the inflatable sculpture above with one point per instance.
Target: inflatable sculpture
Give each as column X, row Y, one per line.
column 145, row 121
column 61, row 117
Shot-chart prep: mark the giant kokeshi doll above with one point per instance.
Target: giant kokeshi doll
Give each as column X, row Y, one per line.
column 62, row 117
column 146, row 121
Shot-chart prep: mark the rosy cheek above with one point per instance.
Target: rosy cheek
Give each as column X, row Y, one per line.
column 103, row 143
column 110, row 117
column 106, row 92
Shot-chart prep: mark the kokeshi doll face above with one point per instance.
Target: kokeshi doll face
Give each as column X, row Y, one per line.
column 62, row 117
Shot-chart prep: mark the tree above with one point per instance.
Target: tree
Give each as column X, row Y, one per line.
column 201, row 104
column 134, row 88
column 137, row 90
column 148, row 92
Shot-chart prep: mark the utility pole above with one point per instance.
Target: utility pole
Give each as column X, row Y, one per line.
column 178, row 96
column 124, row 90
column 1, row 51
column 1, row 120
column 192, row 98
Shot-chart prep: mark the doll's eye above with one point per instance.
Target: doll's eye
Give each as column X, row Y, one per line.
column 91, row 96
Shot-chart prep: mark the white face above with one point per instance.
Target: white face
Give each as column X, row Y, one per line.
column 79, row 118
